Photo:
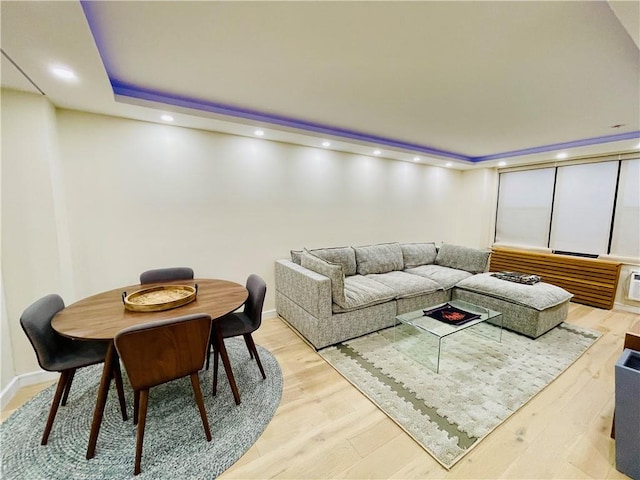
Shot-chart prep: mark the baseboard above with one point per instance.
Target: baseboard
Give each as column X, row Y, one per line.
column 269, row 314
column 24, row 380
column 626, row 308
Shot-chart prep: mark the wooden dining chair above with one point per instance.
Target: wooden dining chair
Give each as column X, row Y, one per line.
column 241, row 323
column 158, row 352
column 56, row 353
column 166, row 275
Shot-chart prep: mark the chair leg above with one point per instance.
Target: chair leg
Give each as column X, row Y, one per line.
column 216, row 361
column 101, row 401
column 117, row 374
column 67, row 388
column 195, row 383
column 248, row 345
column 209, row 354
column 144, row 398
column 62, row 384
column 252, row 344
column 136, row 406
column 222, row 350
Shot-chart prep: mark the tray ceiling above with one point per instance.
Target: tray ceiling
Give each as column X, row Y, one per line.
column 462, row 81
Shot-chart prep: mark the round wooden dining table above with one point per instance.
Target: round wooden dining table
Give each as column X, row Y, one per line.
column 102, row 316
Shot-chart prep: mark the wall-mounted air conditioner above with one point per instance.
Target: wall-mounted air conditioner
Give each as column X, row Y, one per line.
column 634, row 286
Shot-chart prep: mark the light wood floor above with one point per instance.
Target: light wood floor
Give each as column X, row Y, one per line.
column 324, row 427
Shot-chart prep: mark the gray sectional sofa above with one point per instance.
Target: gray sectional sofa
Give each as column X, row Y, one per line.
column 333, row 294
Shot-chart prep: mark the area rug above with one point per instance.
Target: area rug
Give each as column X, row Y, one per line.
column 481, row 381
column 174, row 443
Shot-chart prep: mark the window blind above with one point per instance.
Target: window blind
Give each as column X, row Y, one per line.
column 524, row 207
column 583, row 207
column 625, row 241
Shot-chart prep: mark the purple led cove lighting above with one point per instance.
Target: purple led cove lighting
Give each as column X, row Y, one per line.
column 127, row 90
column 120, row 88
column 97, row 32
column 559, row 146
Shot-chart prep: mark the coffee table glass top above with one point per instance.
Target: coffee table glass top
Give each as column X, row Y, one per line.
column 442, row 329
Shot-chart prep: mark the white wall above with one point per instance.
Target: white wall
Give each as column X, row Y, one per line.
column 30, row 250
column 7, row 370
column 143, row 195
column 478, row 203
column 90, row 201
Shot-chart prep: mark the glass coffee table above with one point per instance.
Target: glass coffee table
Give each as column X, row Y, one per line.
column 417, row 323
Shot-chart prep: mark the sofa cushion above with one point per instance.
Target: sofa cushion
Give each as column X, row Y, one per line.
column 344, row 256
column 539, row 296
column 416, row 254
column 404, row 284
column 444, row 276
column 362, row 292
column 464, row 258
column 381, row 258
column 328, row 269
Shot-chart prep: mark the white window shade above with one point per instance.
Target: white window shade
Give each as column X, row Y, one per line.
column 524, row 207
column 583, row 208
column 626, row 228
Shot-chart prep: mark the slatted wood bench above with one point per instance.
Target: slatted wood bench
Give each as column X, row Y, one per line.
column 593, row 282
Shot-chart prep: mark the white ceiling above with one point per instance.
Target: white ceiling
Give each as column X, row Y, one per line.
column 445, row 81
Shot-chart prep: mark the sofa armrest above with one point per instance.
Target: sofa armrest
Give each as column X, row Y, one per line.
column 308, row 289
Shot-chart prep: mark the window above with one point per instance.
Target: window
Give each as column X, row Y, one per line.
column 586, row 209
column 583, row 208
column 625, row 241
column 524, row 207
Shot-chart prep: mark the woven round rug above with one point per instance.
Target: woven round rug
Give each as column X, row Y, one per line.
column 175, row 445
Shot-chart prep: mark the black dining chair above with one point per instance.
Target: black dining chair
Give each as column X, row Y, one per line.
column 166, row 275
column 56, row 353
column 157, row 352
column 242, row 323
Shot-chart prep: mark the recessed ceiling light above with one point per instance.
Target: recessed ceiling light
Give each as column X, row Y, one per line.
column 416, row 159
column 562, row 155
column 377, row 152
column 167, row 118
column 502, row 164
column 448, row 164
column 259, row 133
column 64, row 73
column 326, row 144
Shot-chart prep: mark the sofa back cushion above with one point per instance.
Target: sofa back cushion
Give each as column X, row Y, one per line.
column 296, row 256
column 344, row 256
column 381, row 258
column 331, row 270
column 416, row 254
column 472, row 260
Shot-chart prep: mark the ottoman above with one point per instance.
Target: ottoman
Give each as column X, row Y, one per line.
column 527, row 309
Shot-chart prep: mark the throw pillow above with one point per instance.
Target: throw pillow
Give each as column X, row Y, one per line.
column 381, row 258
column 331, row 270
column 416, row 254
column 472, row 260
column 344, row 256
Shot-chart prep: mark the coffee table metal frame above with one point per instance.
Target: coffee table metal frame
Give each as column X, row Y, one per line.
column 440, row 329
